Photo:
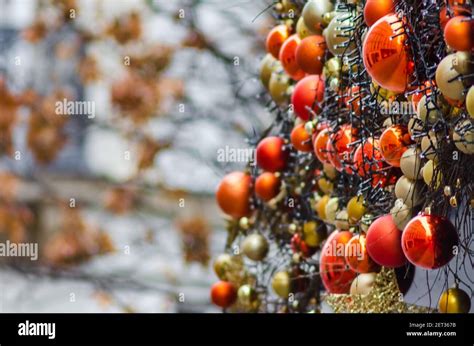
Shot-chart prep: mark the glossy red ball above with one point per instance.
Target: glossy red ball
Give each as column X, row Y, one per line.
column 233, row 194
column 223, row 294
column 271, row 155
column 307, row 95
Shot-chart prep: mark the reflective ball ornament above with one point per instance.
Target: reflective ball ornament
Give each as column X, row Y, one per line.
column 454, row 301
column 376, row 9
column 267, row 186
column 233, row 194
column 446, row 78
column 307, row 95
column 357, row 257
column 339, row 150
column 313, row 13
column 394, row 142
column 275, row 39
column 302, row 30
column 255, row 247
column 459, row 33
column 320, row 144
column 428, row 241
column 281, row 284
column 363, row 284
column 287, row 57
column 248, row 297
column 300, row 139
column 310, row 54
column 271, row 155
column 223, row 294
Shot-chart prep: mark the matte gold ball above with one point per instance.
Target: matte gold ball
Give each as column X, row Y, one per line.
column 363, row 284
column 313, row 13
column 281, row 284
column 337, row 40
column 444, row 74
column 409, row 191
column 415, row 126
column 313, row 234
column 454, row 300
column 268, row 65
column 427, row 110
column 325, row 185
column 329, row 170
column 463, row 136
column 429, row 170
column 320, row 206
column 278, row 87
column 255, row 247
column 464, row 62
column 401, row 214
column 410, row 163
column 429, row 145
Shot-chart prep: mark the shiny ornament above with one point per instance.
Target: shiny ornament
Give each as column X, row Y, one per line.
column 409, row 191
column 338, row 33
column 401, row 214
column 223, row 294
column 330, row 171
column 268, row 65
column 310, row 54
column 356, row 209
column 306, row 96
column 233, row 194
column 430, row 172
column 275, row 39
column 357, row 257
column 300, row 139
column 278, row 87
column 335, row 274
column 459, row 33
column 376, row 9
column 313, row 13
column 271, row 155
column 385, row 54
column 332, row 207
column 393, row 143
column 339, row 149
column 247, row 296
column 463, row 136
column 287, row 57
column 410, row 163
column 454, row 11
column 470, row 101
column 383, row 242
column 446, row 79
column 320, row 142
column 454, row 301
column 255, row 247
column 267, row 186
column 415, row 127
column 464, row 62
column 363, row 284
column 325, row 185
column 320, row 207
column 428, row 241
column 281, row 284
column 298, row 245
column 302, row 30
column 314, row 233
column 222, row 265
column 368, row 160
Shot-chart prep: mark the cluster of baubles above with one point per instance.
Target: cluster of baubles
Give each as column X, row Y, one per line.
column 305, row 60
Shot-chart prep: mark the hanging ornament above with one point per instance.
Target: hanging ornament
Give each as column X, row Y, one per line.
column 223, row 264
column 363, row 284
column 335, row 274
column 275, row 39
column 320, row 207
column 300, row 139
column 271, row 155
column 298, row 245
column 268, row 65
column 339, row 149
column 306, row 96
column 248, row 297
column 338, row 34
column 325, row 185
column 314, row 233
column 383, row 243
column 376, row 9
column 267, row 186
column 401, row 214
column 357, row 257
column 459, row 33
column 409, row 191
column 287, row 57
column 393, row 143
column 302, row 30
column 332, row 207
column 385, row 54
column 430, row 172
column 447, row 78
column 310, row 54
column 223, row 294
column 255, row 247
column 429, row 145
column 429, row 241
column 356, row 209
column 281, row 284
column 313, row 12
column 454, row 300
column 342, row 220
column 428, row 111
column 320, row 142
column 368, row 161
column 470, row 101
column 233, row 194
column 278, row 86
column 455, row 9
column 463, row 136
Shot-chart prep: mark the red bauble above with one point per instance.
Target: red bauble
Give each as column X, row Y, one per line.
column 310, row 54
column 267, row 186
column 233, row 194
column 454, row 10
column 270, row 154
column 335, row 273
column 394, row 142
column 368, row 158
column 376, row 9
column 383, row 243
column 275, row 39
column 358, row 258
column 459, row 33
column 320, row 142
column 287, row 57
column 306, row 96
column 298, row 245
column 223, row 294
column 338, row 149
column 385, row 54
column 428, row 241
column 300, row 139
column 351, row 99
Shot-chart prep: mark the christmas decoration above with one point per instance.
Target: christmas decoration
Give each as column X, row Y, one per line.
column 223, row 294
column 454, row 300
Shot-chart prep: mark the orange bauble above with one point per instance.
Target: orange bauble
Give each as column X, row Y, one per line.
column 300, row 139
column 385, row 55
column 308, row 93
column 267, row 186
column 376, row 9
column 454, row 10
column 459, row 33
column 223, row 294
column 352, row 99
column 271, row 155
column 233, row 194
column 287, row 57
column 320, row 142
column 275, row 39
column 358, row 258
column 338, row 149
column 310, row 54
column 367, row 158
column 335, row 274
column 393, row 143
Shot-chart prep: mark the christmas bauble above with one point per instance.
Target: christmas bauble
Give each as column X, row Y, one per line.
column 429, row 145
column 330, row 171
column 255, row 247
column 427, row 110
column 430, row 172
column 325, row 185
column 410, row 163
column 306, row 96
column 302, row 30
column 332, row 207
column 222, row 264
column 385, row 54
column 463, row 136
column 415, row 127
column 454, row 10
column 223, row 294
column 300, row 139
column 268, row 65
column 267, row 186
column 335, row 274
column 281, row 284
column 368, row 160
column 275, row 39
column 355, row 209
column 298, row 245
column 310, row 54
column 278, row 87
column 401, row 214
column 408, row 191
column 470, row 101
column 393, row 143
column 287, row 57
column 313, row 13
column 342, row 220
column 338, row 32
column 271, row 155
column 357, row 257
column 376, row 9
column 233, row 194
column 363, row 283
column 428, row 241
column 446, row 78
column 383, row 242
column 459, row 33
column 320, row 144
column 339, row 149
column 247, row 296
column 464, row 62
column 314, row 233
column 320, row 207
column 454, row 300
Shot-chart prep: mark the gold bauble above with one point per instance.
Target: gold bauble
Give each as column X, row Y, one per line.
column 222, row 264
column 363, row 284
column 313, row 235
column 415, row 126
column 281, row 284
column 401, row 214
column 356, row 209
column 337, row 34
column 330, row 171
column 410, row 163
column 409, row 191
column 255, row 247
column 302, row 30
column 320, row 207
column 463, row 62
column 278, row 87
column 331, row 209
column 313, row 12
column 332, row 67
column 428, row 172
column 325, row 185
column 268, row 65
column 470, row 101
column 446, row 72
column 454, row 300
column 463, row 136
column 247, row 296
column 342, row 220
column 429, row 145
column 427, row 110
